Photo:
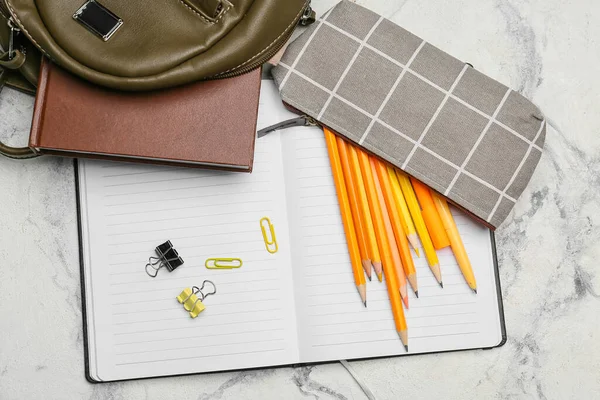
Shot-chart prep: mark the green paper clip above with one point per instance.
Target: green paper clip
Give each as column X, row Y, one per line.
column 223, row 263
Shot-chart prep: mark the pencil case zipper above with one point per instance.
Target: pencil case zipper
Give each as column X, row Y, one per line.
column 305, row 120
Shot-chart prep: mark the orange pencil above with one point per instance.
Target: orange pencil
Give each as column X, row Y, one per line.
column 391, row 279
column 363, row 202
column 354, row 206
column 390, row 235
column 340, row 186
column 432, row 219
column 399, row 233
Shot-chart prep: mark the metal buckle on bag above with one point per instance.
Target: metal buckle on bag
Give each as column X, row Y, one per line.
column 14, row 31
column 309, row 16
column 98, row 19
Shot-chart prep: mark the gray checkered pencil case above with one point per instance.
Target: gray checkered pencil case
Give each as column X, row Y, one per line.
column 462, row 133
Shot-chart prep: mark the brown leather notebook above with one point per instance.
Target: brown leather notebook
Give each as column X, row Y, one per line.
column 208, row 124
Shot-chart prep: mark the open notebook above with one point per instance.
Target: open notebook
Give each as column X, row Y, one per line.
column 299, row 305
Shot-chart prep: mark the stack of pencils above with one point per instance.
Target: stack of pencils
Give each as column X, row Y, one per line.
column 384, row 213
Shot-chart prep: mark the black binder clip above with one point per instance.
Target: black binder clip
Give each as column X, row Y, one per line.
column 167, row 258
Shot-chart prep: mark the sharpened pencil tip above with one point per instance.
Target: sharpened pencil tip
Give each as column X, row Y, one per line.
column 441, row 284
column 380, row 277
column 365, row 304
column 370, row 279
column 406, row 347
column 417, row 293
column 475, row 290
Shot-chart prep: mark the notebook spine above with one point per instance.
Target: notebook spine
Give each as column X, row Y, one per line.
column 39, row 106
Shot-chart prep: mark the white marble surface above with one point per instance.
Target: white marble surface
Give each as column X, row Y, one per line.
column 548, row 248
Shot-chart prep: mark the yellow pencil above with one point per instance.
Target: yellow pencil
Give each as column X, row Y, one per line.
column 415, row 212
column 389, row 230
column 338, row 177
column 456, row 243
column 405, row 218
column 354, row 206
column 399, row 233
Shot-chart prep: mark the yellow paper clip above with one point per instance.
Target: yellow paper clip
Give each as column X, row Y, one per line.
column 223, row 263
column 270, row 244
column 192, row 298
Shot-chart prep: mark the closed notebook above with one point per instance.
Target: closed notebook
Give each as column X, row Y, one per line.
column 207, row 124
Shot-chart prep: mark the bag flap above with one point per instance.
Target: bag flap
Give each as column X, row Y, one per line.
column 155, row 44
column 462, row 133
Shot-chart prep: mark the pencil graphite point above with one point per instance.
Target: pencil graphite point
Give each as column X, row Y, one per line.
column 441, row 284
column 437, row 273
column 475, row 290
column 404, row 338
column 412, row 280
column 414, row 242
column 369, row 278
column 367, row 266
column 362, row 291
column 365, row 304
column 417, row 293
column 378, row 268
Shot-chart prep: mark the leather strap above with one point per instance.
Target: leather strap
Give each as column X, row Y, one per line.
column 14, row 152
column 16, row 62
column 16, row 80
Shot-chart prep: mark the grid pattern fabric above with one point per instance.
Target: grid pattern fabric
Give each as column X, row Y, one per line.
column 464, row 134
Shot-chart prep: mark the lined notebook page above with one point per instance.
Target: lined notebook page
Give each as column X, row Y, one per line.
column 136, row 326
column 300, row 305
column 333, row 324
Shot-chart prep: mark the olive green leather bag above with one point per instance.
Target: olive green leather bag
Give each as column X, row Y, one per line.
column 140, row 45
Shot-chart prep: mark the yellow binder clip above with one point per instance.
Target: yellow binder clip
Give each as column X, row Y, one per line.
column 223, row 263
column 270, row 242
column 192, row 298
